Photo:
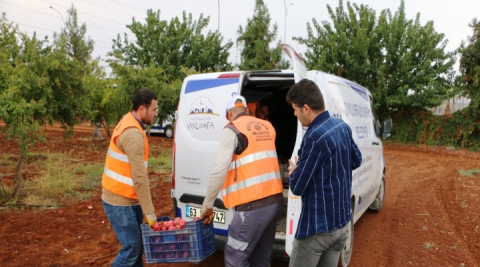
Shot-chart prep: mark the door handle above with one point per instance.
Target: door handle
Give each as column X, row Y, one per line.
column 376, row 143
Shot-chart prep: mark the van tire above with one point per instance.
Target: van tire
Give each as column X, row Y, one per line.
column 168, row 131
column 377, row 204
column 346, row 253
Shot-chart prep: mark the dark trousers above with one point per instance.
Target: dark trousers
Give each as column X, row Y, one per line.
column 251, row 236
column 126, row 222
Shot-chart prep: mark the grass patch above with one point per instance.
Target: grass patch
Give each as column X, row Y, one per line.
column 8, row 160
column 7, row 199
column 161, row 163
column 89, row 176
column 58, row 183
column 469, row 173
column 61, row 179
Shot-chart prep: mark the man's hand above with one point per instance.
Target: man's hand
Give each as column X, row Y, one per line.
column 151, row 219
column 207, row 214
column 293, row 165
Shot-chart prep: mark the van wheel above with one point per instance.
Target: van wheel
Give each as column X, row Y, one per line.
column 377, row 204
column 346, row 253
column 169, row 131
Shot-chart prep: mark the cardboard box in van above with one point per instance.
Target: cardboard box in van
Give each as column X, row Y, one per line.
column 200, row 118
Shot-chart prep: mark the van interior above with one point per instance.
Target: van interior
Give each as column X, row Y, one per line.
column 271, row 87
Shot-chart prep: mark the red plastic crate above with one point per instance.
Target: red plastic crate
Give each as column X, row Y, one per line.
column 192, row 244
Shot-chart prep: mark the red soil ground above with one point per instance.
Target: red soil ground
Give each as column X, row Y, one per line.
column 430, row 217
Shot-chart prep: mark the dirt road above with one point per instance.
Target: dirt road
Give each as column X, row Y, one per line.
column 431, row 213
column 430, row 216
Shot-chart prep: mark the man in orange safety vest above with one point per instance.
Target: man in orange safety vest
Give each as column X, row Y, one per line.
column 247, row 174
column 126, row 190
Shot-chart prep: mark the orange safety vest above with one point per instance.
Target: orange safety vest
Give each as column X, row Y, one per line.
column 117, row 174
column 254, row 174
column 252, row 106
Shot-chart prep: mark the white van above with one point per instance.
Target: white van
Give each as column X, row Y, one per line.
column 200, row 118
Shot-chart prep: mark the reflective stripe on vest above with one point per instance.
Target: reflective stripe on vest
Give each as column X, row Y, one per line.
column 121, row 157
column 117, row 175
column 253, row 157
column 251, row 181
column 254, row 174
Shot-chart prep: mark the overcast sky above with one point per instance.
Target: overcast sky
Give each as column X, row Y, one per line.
column 106, row 18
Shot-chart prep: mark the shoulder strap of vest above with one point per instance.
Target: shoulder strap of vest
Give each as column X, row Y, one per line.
column 242, row 139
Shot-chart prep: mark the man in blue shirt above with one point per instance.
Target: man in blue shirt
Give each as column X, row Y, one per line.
column 322, row 177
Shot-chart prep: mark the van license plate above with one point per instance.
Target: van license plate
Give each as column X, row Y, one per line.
column 218, row 216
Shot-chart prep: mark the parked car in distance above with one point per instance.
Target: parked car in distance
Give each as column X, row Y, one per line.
column 166, row 128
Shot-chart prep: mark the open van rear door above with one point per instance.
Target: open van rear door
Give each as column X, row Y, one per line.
column 294, row 205
column 299, row 68
column 201, row 118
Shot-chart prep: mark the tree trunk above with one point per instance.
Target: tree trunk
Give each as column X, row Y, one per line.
column 18, row 180
column 3, row 193
column 106, row 129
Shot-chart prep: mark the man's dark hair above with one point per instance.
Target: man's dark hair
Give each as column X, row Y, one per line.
column 143, row 96
column 306, row 92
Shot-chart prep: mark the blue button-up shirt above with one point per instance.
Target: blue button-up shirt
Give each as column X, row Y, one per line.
column 323, row 176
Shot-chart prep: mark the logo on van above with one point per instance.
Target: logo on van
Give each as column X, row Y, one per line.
column 200, row 115
column 202, row 105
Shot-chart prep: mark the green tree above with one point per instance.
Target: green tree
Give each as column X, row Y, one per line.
column 72, row 65
column 130, row 79
column 78, row 46
column 23, row 91
column 255, row 41
column 461, row 128
column 403, row 63
column 97, row 88
column 469, row 83
column 163, row 54
column 42, row 83
column 348, row 48
column 172, row 46
column 469, row 78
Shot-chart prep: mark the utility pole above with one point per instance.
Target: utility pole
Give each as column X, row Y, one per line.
column 218, row 16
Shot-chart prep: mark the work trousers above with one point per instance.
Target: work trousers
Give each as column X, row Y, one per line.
column 251, row 236
column 96, row 132
column 321, row 250
column 126, row 222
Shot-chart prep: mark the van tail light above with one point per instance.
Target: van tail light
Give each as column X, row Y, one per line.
column 229, row 75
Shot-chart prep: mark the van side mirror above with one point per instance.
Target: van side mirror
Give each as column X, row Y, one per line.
column 387, row 128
